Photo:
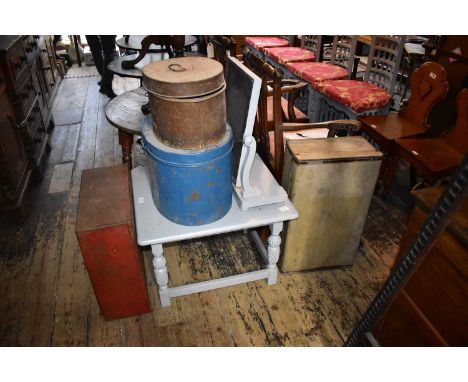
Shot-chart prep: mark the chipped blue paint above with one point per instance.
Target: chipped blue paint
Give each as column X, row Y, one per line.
column 190, row 187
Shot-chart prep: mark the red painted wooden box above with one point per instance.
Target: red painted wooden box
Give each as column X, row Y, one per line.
column 106, row 233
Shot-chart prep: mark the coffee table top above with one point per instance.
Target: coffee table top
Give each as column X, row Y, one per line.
column 134, row 43
column 124, row 111
column 153, row 228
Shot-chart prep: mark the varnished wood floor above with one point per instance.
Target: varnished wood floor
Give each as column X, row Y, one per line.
column 46, row 297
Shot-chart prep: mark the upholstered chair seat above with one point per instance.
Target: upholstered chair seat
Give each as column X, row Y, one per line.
column 283, row 55
column 355, row 95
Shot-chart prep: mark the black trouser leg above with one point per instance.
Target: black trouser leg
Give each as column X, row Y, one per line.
column 95, row 46
column 108, row 48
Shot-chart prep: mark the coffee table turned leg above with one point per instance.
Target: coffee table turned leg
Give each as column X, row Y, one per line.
column 126, row 141
column 160, row 271
column 274, row 241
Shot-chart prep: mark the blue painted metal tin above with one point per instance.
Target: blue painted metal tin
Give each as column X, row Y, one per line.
column 189, row 187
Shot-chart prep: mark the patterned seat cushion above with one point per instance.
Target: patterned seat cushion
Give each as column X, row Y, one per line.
column 355, row 95
column 314, row 72
column 261, row 42
column 289, row 54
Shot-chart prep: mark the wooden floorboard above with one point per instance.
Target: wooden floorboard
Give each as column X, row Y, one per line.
column 46, row 298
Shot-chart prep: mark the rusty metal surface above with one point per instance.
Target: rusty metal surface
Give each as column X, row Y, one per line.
column 189, row 187
column 187, row 101
column 189, row 124
column 183, row 77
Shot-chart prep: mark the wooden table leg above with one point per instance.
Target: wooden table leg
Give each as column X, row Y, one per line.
column 178, row 42
column 126, row 141
column 274, row 241
column 162, row 276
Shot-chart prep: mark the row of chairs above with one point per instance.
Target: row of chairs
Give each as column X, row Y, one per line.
column 274, row 125
column 334, row 91
column 332, row 97
column 394, row 133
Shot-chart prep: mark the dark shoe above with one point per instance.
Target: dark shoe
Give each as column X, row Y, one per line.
column 108, row 92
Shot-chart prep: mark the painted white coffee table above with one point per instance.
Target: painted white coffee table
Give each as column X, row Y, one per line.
column 155, row 230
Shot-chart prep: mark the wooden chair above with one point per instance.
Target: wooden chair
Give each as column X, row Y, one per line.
column 437, row 158
column 289, row 88
column 222, row 46
column 257, row 44
column 428, row 86
column 267, row 113
column 349, row 99
column 310, row 50
column 341, row 65
column 271, row 135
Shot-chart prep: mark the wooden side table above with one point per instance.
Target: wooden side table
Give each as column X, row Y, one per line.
column 124, row 113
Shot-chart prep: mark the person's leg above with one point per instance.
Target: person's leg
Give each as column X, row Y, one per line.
column 96, row 50
column 108, row 48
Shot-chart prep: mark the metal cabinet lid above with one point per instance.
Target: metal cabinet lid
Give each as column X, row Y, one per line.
column 183, row 77
column 332, row 149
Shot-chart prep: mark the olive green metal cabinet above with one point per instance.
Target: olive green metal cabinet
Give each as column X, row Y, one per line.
column 330, row 182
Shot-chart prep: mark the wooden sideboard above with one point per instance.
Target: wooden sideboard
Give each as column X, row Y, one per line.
column 28, row 81
column 432, row 309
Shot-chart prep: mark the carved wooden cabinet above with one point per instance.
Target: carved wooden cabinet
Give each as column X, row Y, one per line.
column 14, row 164
column 26, row 94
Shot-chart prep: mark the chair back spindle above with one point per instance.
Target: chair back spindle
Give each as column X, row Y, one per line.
column 314, row 44
column 343, row 52
column 222, row 47
column 384, row 61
